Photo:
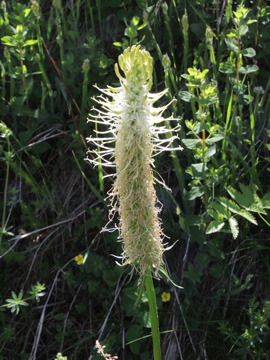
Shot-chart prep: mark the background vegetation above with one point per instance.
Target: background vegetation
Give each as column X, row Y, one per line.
column 53, row 203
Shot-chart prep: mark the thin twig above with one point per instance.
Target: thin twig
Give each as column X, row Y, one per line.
column 117, row 292
column 41, row 321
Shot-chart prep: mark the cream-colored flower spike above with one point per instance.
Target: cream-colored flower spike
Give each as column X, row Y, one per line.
column 132, row 120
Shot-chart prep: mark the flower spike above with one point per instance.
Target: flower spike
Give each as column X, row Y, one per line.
column 132, row 120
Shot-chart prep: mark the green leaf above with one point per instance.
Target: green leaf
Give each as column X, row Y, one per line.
column 226, row 68
column 266, row 201
column 131, row 32
column 192, row 274
column 24, row 69
column 133, row 337
column 195, row 192
column 220, row 209
column 214, row 215
column 229, row 204
column 244, row 286
column 216, row 270
column 214, row 139
column 187, row 96
column 30, row 42
column 26, row 12
column 135, row 21
column 234, row 227
column 242, row 200
column 200, row 126
column 8, row 41
column 191, row 143
column 248, row 69
column 210, row 151
column 15, row 303
column 248, row 52
column 59, row 316
column 231, row 45
column 193, row 220
column 214, row 250
column 243, row 30
column 202, row 259
column 248, row 216
column 197, row 171
column 215, row 226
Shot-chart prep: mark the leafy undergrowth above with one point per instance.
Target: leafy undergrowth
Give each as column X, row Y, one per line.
column 213, row 58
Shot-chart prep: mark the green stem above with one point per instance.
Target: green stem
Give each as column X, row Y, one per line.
column 5, row 193
column 150, row 290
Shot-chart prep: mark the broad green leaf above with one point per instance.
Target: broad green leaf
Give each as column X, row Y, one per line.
column 249, row 193
column 214, row 139
column 248, row 69
column 229, row 204
column 243, row 30
column 8, row 41
column 192, row 274
column 131, row 32
column 226, row 68
column 215, row 215
column 189, row 124
column 135, row 21
column 191, row 143
column 197, row 234
column 214, row 250
column 210, row 151
column 238, row 15
column 242, row 200
column 202, row 259
column 187, row 96
column 248, row 52
column 266, row 201
column 234, row 227
column 26, row 12
column 231, row 45
column 197, row 171
column 248, row 216
column 214, row 226
column 133, row 337
column 232, row 33
column 257, row 208
column 222, row 210
column 198, row 29
column 193, row 220
column 251, row 21
column 30, row 42
column 195, row 192
column 200, row 126
column 216, row 270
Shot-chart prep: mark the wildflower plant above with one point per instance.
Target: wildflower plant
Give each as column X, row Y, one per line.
column 132, row 122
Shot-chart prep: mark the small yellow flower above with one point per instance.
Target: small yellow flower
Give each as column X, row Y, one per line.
column 166, row 297
column 79, row 259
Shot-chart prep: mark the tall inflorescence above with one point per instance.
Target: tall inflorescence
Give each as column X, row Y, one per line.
column 132, row 122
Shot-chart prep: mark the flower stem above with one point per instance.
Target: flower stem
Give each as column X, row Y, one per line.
column 150, row 290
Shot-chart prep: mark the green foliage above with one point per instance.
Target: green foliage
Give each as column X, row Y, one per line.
column 17, row 301
column 253, row 339
column 214, row 62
